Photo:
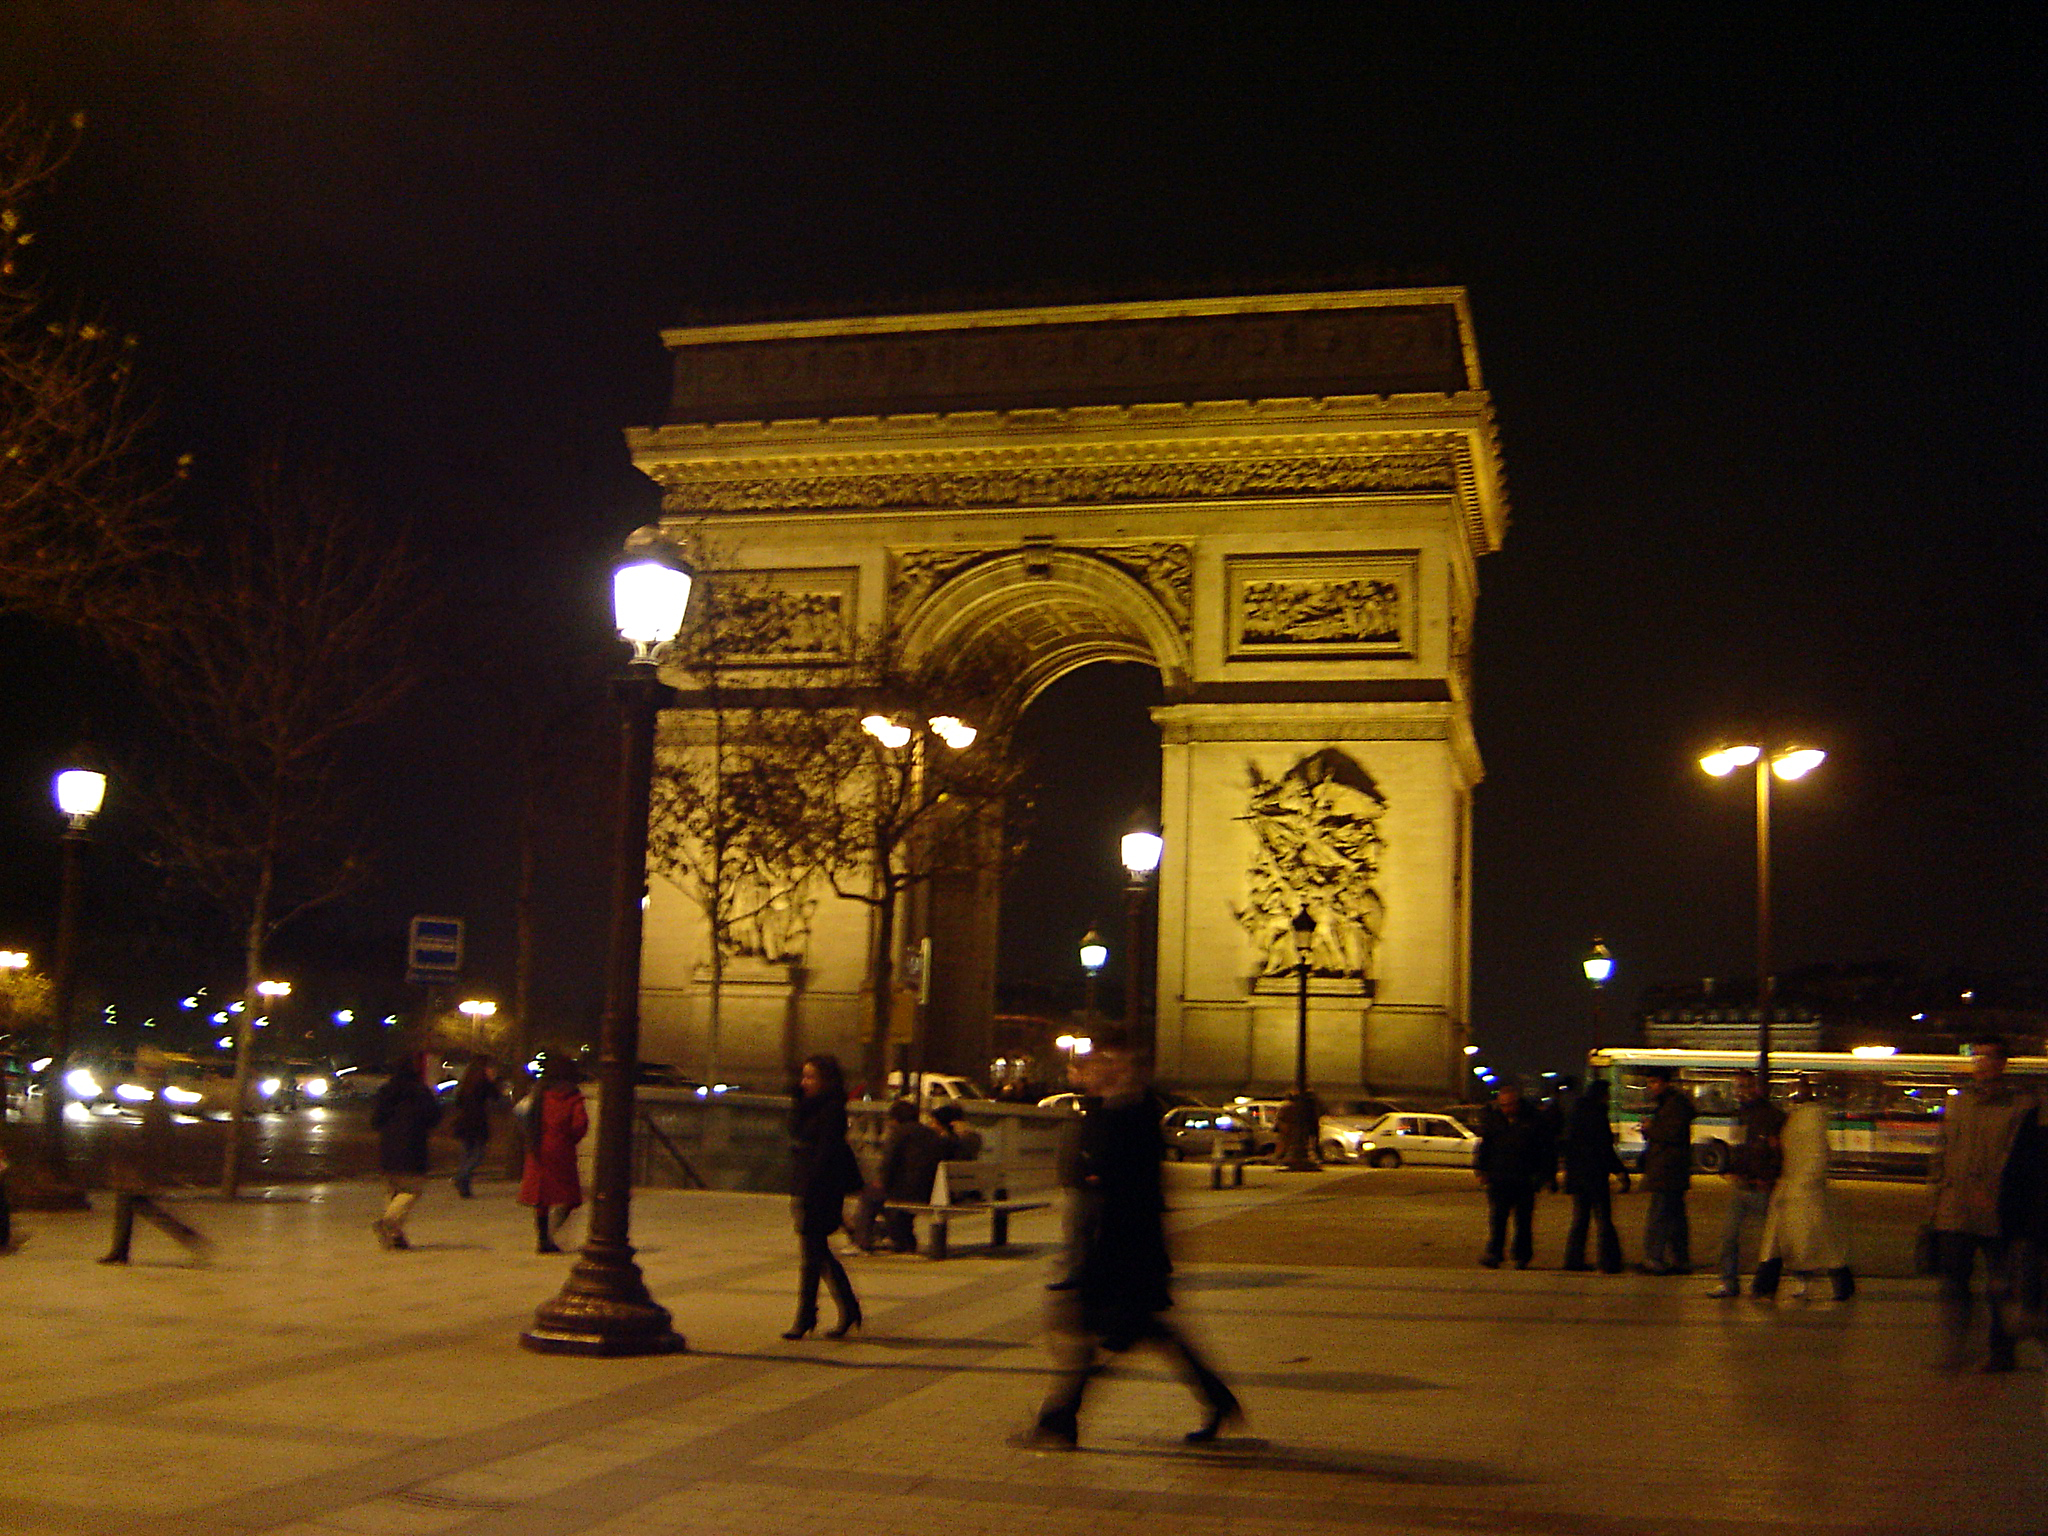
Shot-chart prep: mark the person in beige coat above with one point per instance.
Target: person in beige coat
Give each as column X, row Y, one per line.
column 1802, row 1228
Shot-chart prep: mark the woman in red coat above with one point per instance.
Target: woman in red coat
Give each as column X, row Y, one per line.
column 552, row 1132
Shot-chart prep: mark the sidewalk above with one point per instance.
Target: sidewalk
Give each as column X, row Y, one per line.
column 311, row 1382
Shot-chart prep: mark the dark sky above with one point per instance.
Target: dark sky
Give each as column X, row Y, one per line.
column 1758, row 302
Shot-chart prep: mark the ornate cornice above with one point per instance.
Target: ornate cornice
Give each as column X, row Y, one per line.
column 1053, row 475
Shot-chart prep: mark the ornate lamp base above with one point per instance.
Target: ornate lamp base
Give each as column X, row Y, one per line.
column 604, row 1309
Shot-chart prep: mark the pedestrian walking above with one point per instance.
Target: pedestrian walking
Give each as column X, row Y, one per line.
column 823, row 1172
column 1515, row 1157
column 1591, row 1163
column 1978, row 1190
column 551, row 1182
column 1803, row 1230
column 404, row 1114
column 475, row 1096
column 1119, row 1278
column 136, row 1170
column 1752, row 1174
column 1667, row 1175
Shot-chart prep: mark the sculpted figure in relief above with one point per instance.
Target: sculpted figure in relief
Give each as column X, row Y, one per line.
column 1317, row 844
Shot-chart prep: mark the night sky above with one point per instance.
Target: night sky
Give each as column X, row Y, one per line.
column 1759, row 304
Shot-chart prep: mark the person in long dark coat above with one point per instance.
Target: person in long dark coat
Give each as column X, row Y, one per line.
column 550, row 1182
column 1667, row 1175
column 823, row 1172
column 471, row 1125
column 403, row 1114
column 1119, row 1278
column 1590, row 1162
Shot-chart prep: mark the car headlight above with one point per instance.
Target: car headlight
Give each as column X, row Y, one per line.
column 132, row 1093
column 177, row 1095
column 82, row 1084
column 269, row 1086
column 314, row 1087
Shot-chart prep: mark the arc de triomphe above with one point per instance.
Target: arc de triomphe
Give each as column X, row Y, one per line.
column 1279, row 502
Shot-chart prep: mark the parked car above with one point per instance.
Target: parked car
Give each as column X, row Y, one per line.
column 1201, row 1131
column 1405, row 1137
column 1264, row 1115
column 937, row 1088
column 1068, row 1101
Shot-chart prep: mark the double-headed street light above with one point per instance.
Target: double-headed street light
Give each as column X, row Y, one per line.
column 1140, row 852
column 1783, row 761
column 604, row 1307
column 476, row 1010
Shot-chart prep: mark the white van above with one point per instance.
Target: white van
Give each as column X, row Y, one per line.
column 936, row 1088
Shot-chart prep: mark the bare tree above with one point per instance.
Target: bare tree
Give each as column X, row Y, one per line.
column 278, row 649
column 744, row 817
column 925, row 808
column 82, row 505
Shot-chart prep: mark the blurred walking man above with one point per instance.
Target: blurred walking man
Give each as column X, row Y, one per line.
column 1117, row 1285
column 1753, row 1165
column 1979, row 1183
column 1667, row 1175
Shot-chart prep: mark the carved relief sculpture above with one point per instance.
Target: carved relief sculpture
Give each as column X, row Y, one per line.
column 1166, row 570
column 1359, row 611
column 1317, row 844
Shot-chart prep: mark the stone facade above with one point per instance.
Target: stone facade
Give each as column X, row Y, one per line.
column 1278, row 502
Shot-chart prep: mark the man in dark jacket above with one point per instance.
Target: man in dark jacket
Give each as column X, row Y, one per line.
column 1667, row 1175
column 1516, row 1155
column 1753, row 1164
column 911, row 1152
column 1119, row 1273
column 403, row 1114
column 1590, row 1162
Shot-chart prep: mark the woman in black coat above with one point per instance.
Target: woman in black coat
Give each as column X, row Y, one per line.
column 823, row 1173
column 1590, row 1162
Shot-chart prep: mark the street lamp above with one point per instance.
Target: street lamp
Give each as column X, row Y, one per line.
column 476, row 1010
column 1094, row 956
column 1599, row 967
column 1302, row 1137
column 893, row 735
column 604, row 1307
column 79, row 793
column 1141, row 852
column 1786, row 762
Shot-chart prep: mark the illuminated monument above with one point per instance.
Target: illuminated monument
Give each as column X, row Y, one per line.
column 1279, row 502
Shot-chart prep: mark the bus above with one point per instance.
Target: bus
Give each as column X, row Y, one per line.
column 1884, row 1109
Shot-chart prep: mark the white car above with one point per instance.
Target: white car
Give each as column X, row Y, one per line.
column 1404, row 1137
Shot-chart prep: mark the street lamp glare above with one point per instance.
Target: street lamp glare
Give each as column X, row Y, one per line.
column 649, row 597
column 13, row 960
column 1726, row 760
column 1471, row 1050
column 953, row 731
column 1797, row 763
column 80, row 793
column 886, row 731
column 1141, row 852
column 477, row 1009
column 274, row 988
column 1094, row 953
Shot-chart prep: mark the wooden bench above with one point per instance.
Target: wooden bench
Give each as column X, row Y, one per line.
column 961, row 1190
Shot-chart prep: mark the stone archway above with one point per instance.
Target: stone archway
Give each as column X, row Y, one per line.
column 1278, row 502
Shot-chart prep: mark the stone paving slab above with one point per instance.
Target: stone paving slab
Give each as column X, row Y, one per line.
column 309, row 1382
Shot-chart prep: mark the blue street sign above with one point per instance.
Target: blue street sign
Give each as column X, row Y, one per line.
column 434, row 951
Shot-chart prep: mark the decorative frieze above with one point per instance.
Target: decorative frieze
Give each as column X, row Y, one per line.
column 1165, row 569
column 1339, row 605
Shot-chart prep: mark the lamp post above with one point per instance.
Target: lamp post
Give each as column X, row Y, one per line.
column 1140, row 852
column 603, row 1307
column 79, row 792
column 1786, row 762
column 1598, row 966
column 1094, row 956
column 1303, row 1133
column 476, row 1010
column 890, row 832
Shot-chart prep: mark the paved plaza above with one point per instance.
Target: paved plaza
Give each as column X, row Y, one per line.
column 309, row 1382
